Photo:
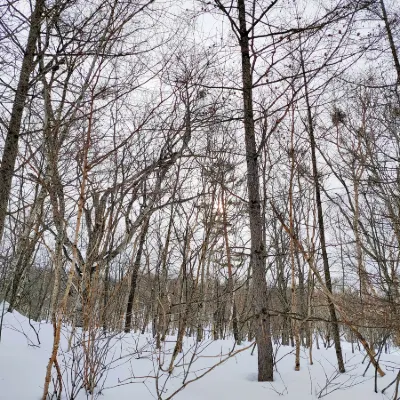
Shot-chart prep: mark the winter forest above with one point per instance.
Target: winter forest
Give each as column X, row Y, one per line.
column 199, row 199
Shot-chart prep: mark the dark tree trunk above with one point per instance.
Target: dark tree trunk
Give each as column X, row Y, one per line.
column 392, row 43
column 134, row 276
column 321, row 227
column 13, row 132
column 259, row 286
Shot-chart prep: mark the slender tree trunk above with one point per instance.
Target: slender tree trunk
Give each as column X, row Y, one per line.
column 134, row 276
column 259, row 286
column 163, row 295
column 232, row 304
column 295, row 325
column 106, row 291
column 321, row 227
column 216, row 312
column 309, row 328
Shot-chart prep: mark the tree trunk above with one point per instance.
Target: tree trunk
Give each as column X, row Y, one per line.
column 321, row 227
column 392, row 43
column 134, row 276
column 232, row 303
column 260, row 300
column 10, row 151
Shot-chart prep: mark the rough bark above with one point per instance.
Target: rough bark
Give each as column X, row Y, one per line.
column 10, row 151
column 259, row 286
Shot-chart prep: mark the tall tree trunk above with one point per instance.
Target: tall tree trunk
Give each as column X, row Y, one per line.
column 321, row 226
column 13, row 132
column 295, row 325
column 164, row 307
column 232, row 304
column 259, row 286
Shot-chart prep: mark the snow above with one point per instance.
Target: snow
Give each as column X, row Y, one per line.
column 131, row 364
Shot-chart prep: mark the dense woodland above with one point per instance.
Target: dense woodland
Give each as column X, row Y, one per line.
column 212, row 169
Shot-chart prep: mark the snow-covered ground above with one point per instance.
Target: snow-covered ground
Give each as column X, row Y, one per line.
column 131, row 365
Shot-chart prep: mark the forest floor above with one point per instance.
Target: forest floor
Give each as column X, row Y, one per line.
column 128, row 365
